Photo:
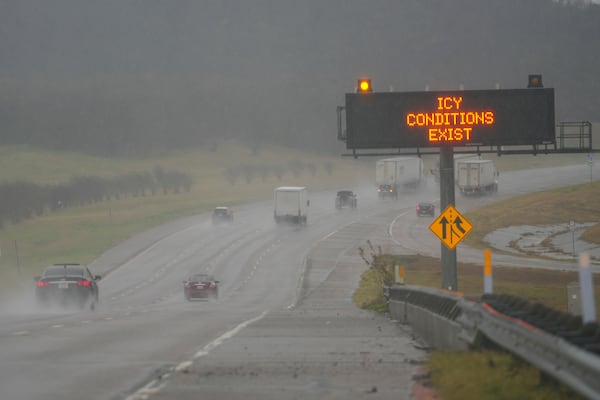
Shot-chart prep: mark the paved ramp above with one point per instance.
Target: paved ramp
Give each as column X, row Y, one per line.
column 324, row 348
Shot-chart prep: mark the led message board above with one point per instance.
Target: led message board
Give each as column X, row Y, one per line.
column 450, row 118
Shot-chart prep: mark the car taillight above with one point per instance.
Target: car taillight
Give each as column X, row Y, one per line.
column 83, row 282
column 42, row 283
column 418, row 208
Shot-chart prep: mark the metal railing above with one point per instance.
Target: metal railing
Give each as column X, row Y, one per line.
column 567, row 362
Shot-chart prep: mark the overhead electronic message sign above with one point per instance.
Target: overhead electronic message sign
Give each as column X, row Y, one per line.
column 450, row 118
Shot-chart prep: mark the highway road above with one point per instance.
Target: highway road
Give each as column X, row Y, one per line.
column 412, row 235
column 284, row 325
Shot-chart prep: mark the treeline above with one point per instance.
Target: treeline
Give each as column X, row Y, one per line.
column 22, row 200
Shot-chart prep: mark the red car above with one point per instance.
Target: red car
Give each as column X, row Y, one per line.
column 425, row 209
column 200, row 286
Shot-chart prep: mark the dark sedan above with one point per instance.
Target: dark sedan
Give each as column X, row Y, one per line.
column 425, row 209
column 67, row 285
column 200, row 286
column 222, row 214
column 345, row 198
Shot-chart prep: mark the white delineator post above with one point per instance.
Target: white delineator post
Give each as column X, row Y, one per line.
column 586, row 285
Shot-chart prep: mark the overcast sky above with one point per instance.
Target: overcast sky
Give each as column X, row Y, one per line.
column 300, row 57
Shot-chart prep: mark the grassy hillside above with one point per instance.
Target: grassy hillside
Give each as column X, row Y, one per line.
column 228, row 174
column 80, row 234
column 542, row 208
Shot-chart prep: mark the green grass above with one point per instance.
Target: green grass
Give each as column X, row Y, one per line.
column 475, row 379
column 81, row 234
column 509, row 378
column 579, row 203
column 490, row 375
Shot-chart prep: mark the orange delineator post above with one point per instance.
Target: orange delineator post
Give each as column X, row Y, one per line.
column 399, row 272
column 487, row 271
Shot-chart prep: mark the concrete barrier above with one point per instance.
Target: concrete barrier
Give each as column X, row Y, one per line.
column 431, row 313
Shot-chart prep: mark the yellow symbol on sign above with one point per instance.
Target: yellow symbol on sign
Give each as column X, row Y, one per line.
column 450, row 227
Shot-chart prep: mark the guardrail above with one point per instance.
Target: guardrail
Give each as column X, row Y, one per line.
column 449, row 320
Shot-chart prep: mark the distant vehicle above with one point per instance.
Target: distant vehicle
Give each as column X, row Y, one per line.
column 67, row 285
column 398, row 173
column 290, row 204
column 200, row 286
column 424, row 208
column 387, row 191
column 222, row 214
column 476, row 177
column 457, row 158
column 345, row 198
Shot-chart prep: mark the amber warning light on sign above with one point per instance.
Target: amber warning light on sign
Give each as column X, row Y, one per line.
column 364, row 86
column 452, row 121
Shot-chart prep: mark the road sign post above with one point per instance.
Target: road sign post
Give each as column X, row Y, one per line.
column 415, row 122
column 448, row 255
column 450, row 227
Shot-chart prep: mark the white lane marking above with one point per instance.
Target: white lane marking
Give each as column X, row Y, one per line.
column 227, row 335
column 391, row 227
column 21, row 333
column 155, row 385
column 327, row 237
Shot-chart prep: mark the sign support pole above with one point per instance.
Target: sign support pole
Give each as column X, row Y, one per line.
column 449, row 275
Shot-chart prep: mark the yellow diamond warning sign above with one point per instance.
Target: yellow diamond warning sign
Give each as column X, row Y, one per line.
column 450, row 227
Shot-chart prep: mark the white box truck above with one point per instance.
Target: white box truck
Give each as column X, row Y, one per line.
column 394, row 174
column 291, row 204
column 476, row 177
column 457, row 157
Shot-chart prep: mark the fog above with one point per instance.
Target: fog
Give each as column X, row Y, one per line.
column 108, row 76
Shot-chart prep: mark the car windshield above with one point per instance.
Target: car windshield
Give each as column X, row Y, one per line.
column 63, row 271
column 201, row 278
column 221, row 211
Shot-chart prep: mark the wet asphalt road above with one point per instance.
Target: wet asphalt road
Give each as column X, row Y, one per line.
column 143, row 327
column 284, row 325
column 322, row 347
